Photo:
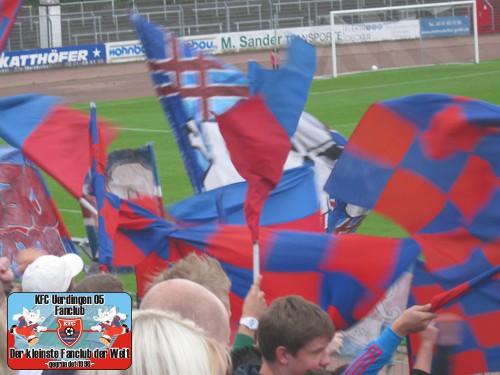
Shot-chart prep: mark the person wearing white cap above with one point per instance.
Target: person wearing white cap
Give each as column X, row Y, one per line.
column 51, row 274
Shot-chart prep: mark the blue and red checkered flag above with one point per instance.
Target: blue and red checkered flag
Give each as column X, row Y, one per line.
column 312, row 265
column 8, row 13
column 52, row 136
column 364, row 266
column 430, row 163
column 467, row 270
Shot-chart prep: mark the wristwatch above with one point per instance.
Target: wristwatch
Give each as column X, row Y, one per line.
column 249, row 322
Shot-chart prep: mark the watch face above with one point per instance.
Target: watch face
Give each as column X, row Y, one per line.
column 250, row 323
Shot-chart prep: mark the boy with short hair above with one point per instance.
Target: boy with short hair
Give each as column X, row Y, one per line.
column 293, row 336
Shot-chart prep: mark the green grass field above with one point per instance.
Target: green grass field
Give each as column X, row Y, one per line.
column 339, row 103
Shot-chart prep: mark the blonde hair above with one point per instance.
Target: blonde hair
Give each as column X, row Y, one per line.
column 203, row 270
column 165, row 344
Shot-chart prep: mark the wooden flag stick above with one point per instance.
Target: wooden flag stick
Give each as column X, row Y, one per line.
column 85, row 203
column 256, row 261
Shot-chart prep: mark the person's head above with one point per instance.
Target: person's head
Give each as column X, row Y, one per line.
column 191, row 301
column 103, row 282
column 246, row 355
column 202, row 269
column 24, row 258
column 49, row 273
column 294, row 334
column 165, row 343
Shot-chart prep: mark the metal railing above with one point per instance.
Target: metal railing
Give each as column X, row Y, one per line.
column 108, row 19
column 96, row 22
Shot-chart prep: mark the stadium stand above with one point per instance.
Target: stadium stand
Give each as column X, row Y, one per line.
column 96, row 21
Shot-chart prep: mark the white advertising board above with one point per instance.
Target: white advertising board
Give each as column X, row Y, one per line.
column 125, row 51
column 226, row 42
column 376, row 31
column 266, row 39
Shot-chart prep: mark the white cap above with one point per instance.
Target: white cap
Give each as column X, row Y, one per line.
column 51, row 274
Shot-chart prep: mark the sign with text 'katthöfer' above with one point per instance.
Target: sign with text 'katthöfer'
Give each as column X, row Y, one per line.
column 69, row 331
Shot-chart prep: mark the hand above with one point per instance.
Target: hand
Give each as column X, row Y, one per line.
column 429, row 336
column 254, row 303
column 26, row 257
column 414, row 319
column 336, row 344
column 6, row 274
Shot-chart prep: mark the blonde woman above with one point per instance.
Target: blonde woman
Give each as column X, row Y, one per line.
column 165, row 344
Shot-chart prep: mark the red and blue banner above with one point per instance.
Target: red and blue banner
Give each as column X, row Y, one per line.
column 192, row 87
column 478, row 312
column 29, row 217
column 430, row 163
column 51, row 135
column 305, row 263
column 257, row 130
column 460, row 275
column 130, row 173
column 224, row 205
column 258, row 146
column 292, row 262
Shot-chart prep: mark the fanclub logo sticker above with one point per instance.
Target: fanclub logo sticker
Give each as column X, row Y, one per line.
column 69, row 331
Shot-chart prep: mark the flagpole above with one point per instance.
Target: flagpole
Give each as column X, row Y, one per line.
column 85, row 203
column 273, row 22
column 256, row 261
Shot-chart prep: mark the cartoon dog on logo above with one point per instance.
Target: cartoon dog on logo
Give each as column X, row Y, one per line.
column 109, row 324
column 29, row 325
